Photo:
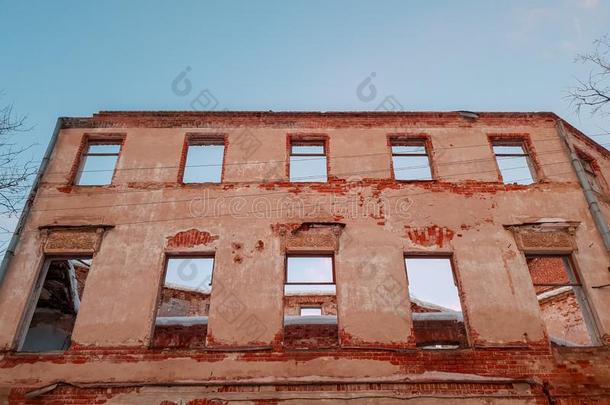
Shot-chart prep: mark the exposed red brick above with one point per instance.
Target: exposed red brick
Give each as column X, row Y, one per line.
column 190, row 238
column 178, row 336
column 429, row 235
column 428, row 332
column 310, row 336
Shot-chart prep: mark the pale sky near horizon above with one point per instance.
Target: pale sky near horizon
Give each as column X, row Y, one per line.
column 73, row 58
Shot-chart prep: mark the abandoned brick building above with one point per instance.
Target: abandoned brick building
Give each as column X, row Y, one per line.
column 361, row 258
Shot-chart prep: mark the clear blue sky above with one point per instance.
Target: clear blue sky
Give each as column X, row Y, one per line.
column 72, row 58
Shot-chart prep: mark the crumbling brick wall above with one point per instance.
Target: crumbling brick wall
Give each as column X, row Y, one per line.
column 177, row 302
column 180, row 336
column 311, row 336
column 563, row 318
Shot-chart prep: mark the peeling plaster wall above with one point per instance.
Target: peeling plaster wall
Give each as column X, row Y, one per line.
column 148, row 206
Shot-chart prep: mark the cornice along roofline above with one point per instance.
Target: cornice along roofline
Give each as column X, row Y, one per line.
column 313, row 119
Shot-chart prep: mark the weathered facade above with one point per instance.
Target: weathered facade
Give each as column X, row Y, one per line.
column 528, row 262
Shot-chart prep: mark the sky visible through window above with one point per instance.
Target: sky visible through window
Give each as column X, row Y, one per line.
column 311, row 311
column 98, row 164
column 410, row 162
column 307, row 271
column 193, row 274
column 308, row 163
column 514, row 164
column 203, row 164
column 431, row 281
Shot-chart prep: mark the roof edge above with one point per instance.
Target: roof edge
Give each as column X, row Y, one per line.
column 177, row 118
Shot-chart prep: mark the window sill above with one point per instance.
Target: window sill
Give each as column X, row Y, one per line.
column 310, row 320
column 571, row 349
column 181, row 320
column 46, row 353
column 206, row 183
column 308, row 182
column 92, row 186
column 416, row 181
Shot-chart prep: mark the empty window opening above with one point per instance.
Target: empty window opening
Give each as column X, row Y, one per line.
column 514, row 162
column 182, row 315
column 438, row 321
column 58, row 296
column 310, row 306
column 311, row 311
column 595, row 180
column 204, row 160
column 562, row 301
column 308, row 161
column 410, row 160
column 98, row 164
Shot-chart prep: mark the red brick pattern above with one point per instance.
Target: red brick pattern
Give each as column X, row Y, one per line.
column 310, row 336
column 193, row 119
column 547, row 270
column 178, row 336
column 582, row 373
column 431, row 332
column 396, row 391
column 190, row 238
column 430, row 235
column 563, row 318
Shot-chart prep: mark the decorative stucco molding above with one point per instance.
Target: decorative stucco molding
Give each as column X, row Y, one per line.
column 545, row 236
column 312, row 236
column 72, row 239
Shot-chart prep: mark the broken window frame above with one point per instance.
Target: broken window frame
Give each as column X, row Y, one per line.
column 456, row 281
column 34, row 295
column 203, row 140
column 307, row 142
column 415, row 142
column 514, row 142
column 86, row 153
column 573, row 274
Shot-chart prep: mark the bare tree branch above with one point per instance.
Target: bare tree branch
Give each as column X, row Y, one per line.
column 594, row 92
column 15, row 173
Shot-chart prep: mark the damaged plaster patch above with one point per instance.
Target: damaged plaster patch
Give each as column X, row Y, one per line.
column 429, row 235
column 190, row 238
